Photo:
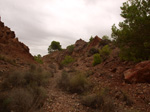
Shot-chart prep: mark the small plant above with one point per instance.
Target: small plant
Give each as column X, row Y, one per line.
column 70, row 48
column 74, row 82
column 21, row 100
column 91, row 39
column 67, row 60
column 104, row 52
column 38, row 59
column 97, row 59
column 78, row 83
column 93, row 101
column 24, row 90
column 99, row 100
column 63, row 82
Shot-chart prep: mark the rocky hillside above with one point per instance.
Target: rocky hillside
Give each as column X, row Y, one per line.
column 85, row 77
column 12, row 51
column 128, row 82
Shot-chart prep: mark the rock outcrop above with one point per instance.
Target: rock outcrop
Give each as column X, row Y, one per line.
column 139, row 74
column 12, row 51
column 80, row 45
column 94, row 43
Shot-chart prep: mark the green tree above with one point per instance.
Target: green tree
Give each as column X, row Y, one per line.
column 133, row 35
column 90, row 40
column 54, row 46
column 38, row 58
column 105, row 37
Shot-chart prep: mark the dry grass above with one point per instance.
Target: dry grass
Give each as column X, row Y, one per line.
column 75, row 82
column 24, row 90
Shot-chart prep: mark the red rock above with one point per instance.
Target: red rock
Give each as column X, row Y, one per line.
column 138, row 74
column 12, row 48
column 94, row 42
column 79, row 45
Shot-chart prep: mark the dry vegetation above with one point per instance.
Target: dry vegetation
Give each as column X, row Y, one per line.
column 23, row 91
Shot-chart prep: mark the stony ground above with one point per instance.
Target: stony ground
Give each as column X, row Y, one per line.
column 61, row 101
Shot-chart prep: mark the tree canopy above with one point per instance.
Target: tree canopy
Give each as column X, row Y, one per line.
column 54, row 46
column 133, row 34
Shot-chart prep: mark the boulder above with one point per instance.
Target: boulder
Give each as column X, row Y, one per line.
column 138, row 74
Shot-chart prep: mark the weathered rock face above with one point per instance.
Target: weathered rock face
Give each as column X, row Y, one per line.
column 95, row 42
column 79, row 45
column 139, row 74
column 11, row 49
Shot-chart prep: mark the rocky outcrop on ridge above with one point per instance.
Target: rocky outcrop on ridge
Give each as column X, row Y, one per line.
column 12, row 51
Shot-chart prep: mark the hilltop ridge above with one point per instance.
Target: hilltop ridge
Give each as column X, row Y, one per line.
column 12, row 51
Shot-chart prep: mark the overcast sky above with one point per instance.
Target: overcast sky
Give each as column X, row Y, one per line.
column 38, row 22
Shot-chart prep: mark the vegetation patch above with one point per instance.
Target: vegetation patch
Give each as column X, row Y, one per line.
column 4, row 58
column 24, row 90
column 133, row 36
column 54, row 46
column 75, row 82
column 38, row 59
column 67, row 60
column 70, row 48
column 97, row 59
column 105, row 52
column 100, row 101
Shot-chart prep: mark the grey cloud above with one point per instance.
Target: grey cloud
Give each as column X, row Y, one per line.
column 38, row 22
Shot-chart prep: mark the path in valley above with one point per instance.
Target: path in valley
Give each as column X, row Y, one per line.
column 60, row 101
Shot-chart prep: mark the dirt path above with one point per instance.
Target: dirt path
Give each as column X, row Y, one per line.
column 60, row 101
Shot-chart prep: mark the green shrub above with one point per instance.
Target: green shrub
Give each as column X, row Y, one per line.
column 104, row 52
column 63, row 82
column 21, row 100
column 14, row 79
column 105, row 37
column 99, row 100
column 33, row 77
column 93, row 101
column 38, row 59
column 74, row 82
column 97, row 59
column 78, row 83
column 128, row 55
column 24, row 87
column 70, row 48
column 91, row 39
column 67, row 60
